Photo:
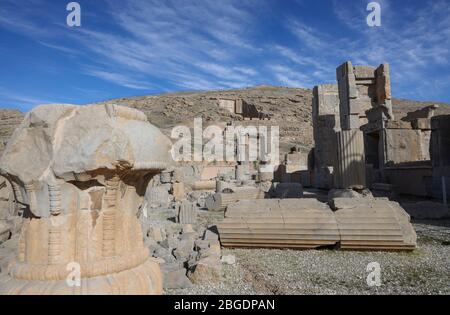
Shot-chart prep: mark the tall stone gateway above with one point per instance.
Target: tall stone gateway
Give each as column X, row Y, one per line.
column 361, row 89
column 82, row 173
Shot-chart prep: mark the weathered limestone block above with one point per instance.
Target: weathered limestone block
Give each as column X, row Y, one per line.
column 199, row 198
column 157, row 197
column 275, row 223
column 377, row 224
column 178, row 191
column 82, row 186
column 206, row 270
column 406, row 145
column 357, row 223
column 187, row 213
column 350, row 163
column 221, row 185
column 242, row 172
column 266, row 176
column 347, row 193
column 362, row 88
column 166, row 177
column 219, row 201
column 348, row 93
column 178, row 175
column 175, row 276
column 421, row 123
column 204, row 185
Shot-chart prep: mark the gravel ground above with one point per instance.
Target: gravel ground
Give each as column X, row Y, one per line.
column 260, row 271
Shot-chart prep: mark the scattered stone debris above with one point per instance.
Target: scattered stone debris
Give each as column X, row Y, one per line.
column 228, row 259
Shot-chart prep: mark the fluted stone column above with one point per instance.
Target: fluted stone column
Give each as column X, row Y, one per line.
column 350, row 162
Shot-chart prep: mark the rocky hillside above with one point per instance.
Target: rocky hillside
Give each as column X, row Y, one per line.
column 291, row 110
column 9, row 120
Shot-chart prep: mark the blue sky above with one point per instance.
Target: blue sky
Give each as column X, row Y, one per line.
column 141, row 47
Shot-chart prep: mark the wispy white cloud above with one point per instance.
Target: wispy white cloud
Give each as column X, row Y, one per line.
column 21, row 100
column 414, row 44
column 176, row 40
column 171, row 45
column 311, row 37
column 119, row 79
column 290, row 77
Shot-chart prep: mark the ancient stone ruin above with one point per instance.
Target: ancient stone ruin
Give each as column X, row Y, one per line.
column 81, row 174
column 307, row 223
column 359, row 143
column 91, row 192
column 243, row 109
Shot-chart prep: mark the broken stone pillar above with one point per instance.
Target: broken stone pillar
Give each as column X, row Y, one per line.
column 375, row 224
column 187, row 213
column 157, row 197
column 278, row 223
column 221, row 185
column 83, row 185
column 356, row 223
column 350, row 162
column 242, row 172
column 326, row 122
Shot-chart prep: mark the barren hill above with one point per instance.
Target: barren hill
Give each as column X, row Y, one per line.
column 9, row 120
column 290, row 107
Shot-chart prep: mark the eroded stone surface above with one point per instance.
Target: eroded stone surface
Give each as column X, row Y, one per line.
column 82, row 187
